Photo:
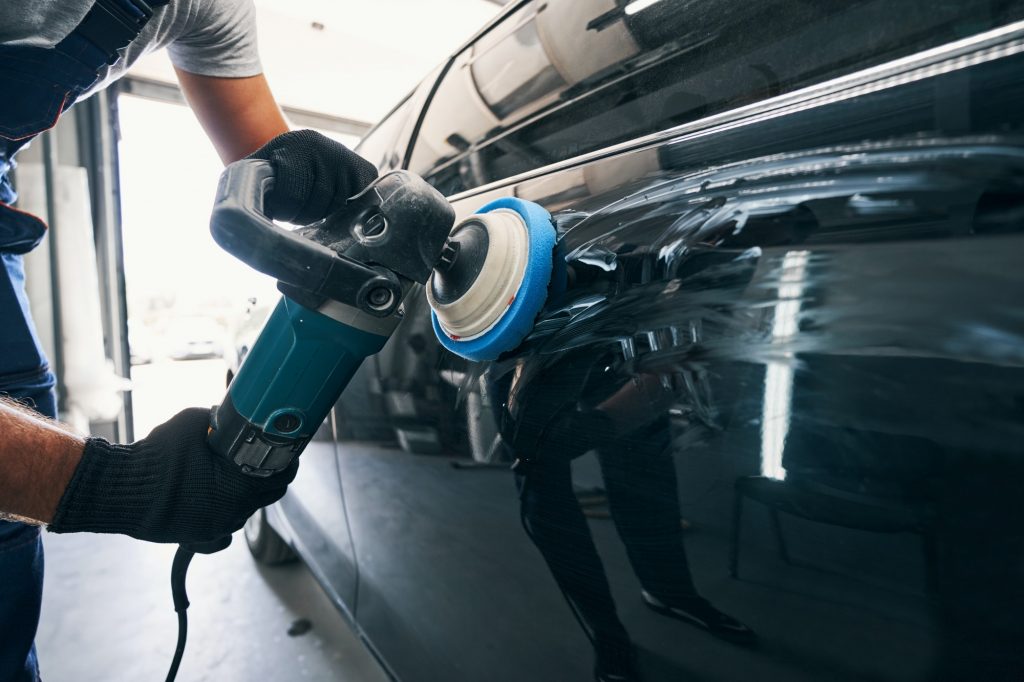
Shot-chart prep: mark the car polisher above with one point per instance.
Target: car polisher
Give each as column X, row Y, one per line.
column 344, row 280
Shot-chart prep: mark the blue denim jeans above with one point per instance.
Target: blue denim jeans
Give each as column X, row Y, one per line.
column 21, row 549
column 21, row 594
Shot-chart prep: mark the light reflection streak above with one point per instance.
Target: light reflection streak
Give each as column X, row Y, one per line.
column 778, row 381
column 639, row 6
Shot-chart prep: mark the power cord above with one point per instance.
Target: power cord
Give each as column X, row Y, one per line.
column 179, row 571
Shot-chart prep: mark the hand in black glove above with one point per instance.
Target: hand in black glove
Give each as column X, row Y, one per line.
column 313, row 176
column 167, row 487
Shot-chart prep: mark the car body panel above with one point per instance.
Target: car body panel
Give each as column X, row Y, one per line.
column 786, row 372
column 312, row 517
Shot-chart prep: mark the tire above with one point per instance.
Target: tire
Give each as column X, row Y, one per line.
column 266, row 546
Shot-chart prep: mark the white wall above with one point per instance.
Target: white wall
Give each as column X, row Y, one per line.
column 365, row 58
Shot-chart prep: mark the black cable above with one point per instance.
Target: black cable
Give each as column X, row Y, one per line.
column 180, row 650
column 179, row 570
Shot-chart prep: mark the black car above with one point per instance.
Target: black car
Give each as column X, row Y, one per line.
column 773, row 429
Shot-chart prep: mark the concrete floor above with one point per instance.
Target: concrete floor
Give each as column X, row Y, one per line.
column 107, row 611
column 107, row 615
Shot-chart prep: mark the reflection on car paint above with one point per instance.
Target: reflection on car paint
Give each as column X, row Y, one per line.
column 749, row 264
column 701, row 262
column 784, row 378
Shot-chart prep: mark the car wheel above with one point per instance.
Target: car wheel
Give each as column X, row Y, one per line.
column 266, row 546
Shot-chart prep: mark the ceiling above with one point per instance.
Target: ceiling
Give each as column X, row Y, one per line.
column 349, row 58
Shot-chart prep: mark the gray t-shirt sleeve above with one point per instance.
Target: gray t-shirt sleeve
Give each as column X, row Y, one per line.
column 220, row 40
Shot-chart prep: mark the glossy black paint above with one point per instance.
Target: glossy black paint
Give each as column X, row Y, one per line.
column 785, row 377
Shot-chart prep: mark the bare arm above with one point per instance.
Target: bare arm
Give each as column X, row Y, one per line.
column 239, row 115
column 37, row 460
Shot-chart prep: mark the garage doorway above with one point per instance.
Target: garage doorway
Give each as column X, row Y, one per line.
column 190, row 304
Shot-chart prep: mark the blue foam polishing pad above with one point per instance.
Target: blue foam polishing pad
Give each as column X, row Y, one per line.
column 518, row 319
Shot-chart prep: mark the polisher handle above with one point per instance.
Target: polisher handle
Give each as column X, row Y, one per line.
column 240, row 225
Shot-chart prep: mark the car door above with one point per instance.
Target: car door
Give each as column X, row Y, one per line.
column 312, row 516
column 783, row 383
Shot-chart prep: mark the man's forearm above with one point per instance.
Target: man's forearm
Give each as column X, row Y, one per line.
column 37, row 461
column 239, row 115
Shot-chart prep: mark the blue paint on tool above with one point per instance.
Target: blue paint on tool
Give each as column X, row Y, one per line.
column 517, row 321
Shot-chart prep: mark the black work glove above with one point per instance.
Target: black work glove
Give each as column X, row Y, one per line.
column 313, row 176
column 167, row 487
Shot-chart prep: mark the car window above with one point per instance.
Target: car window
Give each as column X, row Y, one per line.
column 379, row 145
column 560, row 78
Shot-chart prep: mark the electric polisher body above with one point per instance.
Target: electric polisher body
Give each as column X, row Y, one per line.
column 344, row 280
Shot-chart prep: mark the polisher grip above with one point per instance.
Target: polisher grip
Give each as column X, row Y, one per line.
column 240, row 225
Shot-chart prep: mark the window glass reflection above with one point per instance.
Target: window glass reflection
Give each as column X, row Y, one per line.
column 513, row 70
column 378, row 146
column 560, row 78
